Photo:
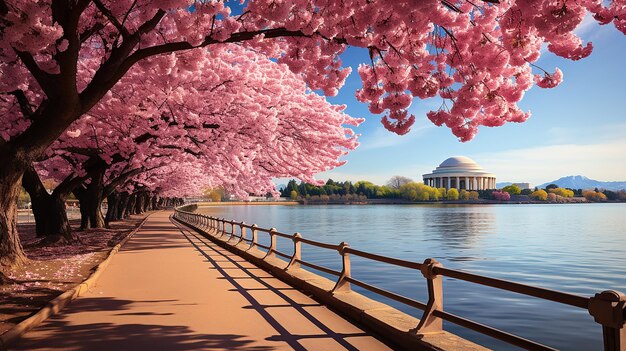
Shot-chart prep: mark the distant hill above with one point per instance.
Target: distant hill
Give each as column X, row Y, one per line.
column 503, row 184
column 582, row 182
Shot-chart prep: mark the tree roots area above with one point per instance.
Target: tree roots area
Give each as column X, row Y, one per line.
column 54, row 269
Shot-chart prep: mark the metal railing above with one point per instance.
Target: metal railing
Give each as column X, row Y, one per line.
column 608, row 308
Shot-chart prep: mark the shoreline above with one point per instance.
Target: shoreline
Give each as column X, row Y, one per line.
column 481, row 202
column 244, row 203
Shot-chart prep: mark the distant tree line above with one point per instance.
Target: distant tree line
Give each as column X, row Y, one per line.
column 369, row 190
column 554, row 193
column 399, row 187
column 396, row 188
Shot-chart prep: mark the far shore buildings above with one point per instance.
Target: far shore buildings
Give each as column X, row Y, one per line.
column 460, row 172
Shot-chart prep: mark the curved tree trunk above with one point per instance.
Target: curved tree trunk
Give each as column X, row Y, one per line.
column 139, row 203
column 56, row 225
column 79, row 193
column 11, row 252
column 130, row 206
column 121, row 207
column 91, row 196
column 146, row 202
column 113, row 201
column 49, row 209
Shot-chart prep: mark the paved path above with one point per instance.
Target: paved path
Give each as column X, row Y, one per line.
column 171, row 289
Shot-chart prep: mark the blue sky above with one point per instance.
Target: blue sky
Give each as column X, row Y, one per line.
column 576, row 128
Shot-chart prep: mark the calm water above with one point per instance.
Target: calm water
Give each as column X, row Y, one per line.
column 576, row 248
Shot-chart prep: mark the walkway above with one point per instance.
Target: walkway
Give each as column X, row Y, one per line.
column 171, row 289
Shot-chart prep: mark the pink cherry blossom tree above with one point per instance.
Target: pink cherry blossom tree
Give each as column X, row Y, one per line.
column 60, row 58
column 238, row 133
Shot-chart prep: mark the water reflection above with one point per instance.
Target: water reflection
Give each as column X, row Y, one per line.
column 574, row 248
column 459, row 230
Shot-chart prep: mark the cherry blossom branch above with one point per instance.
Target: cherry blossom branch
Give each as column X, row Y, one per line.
column 25, row 106
column 44, row 79
column 107, row 13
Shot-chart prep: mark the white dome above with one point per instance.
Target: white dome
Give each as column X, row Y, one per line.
column 462, row 173
column 459, row 162
column 460, row 165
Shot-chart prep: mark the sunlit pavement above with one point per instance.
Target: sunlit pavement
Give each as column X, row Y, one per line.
column 171, row 289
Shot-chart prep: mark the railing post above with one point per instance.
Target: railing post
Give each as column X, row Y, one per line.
column 297, row 253
column 343, row 285
column 272, row 249
column 429, row 323
column 222, row 224
column 242, row 229
column 609, row 309
column 233, row 231
column 212, row 225
column 254, row 237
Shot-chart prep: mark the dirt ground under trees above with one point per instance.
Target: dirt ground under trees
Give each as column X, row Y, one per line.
column 52, row 270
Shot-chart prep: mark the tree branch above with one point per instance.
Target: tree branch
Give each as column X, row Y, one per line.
column 68, row 184
column 22, row 100
column 117, row 181
column 4, row 9
column 109, row 15
column 44, row 79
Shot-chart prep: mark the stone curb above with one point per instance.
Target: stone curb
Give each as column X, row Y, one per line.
column 54, row 306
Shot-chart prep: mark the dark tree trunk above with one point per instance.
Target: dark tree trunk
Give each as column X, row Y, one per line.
column 139, row 204
column 113, row 201
column 57, row 227
column 90, row 198
column 49, row 209
column 121, row 207
column 146, row 202
column 130, row 206
column 11, row 172
column 81, row 195
column 96, row 218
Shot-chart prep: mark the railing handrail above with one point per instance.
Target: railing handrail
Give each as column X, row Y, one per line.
column 608, row 308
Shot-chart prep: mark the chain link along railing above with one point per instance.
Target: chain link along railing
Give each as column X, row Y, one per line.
column 608, row 308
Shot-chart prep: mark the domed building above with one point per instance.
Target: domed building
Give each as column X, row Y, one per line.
column 460, row 172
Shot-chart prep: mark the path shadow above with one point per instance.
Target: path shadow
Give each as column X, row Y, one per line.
column 23, row 306
column 131, row 336
column 137, row 337
column 147, row 241
column 217, row 256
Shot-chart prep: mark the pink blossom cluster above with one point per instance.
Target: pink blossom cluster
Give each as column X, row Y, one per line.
column 226, row 117
column 501, row 195
column 477, row 56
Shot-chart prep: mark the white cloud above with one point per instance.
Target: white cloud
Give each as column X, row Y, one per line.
column 602, row 161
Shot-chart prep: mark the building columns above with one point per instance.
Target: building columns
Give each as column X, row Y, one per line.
column 471, row 183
